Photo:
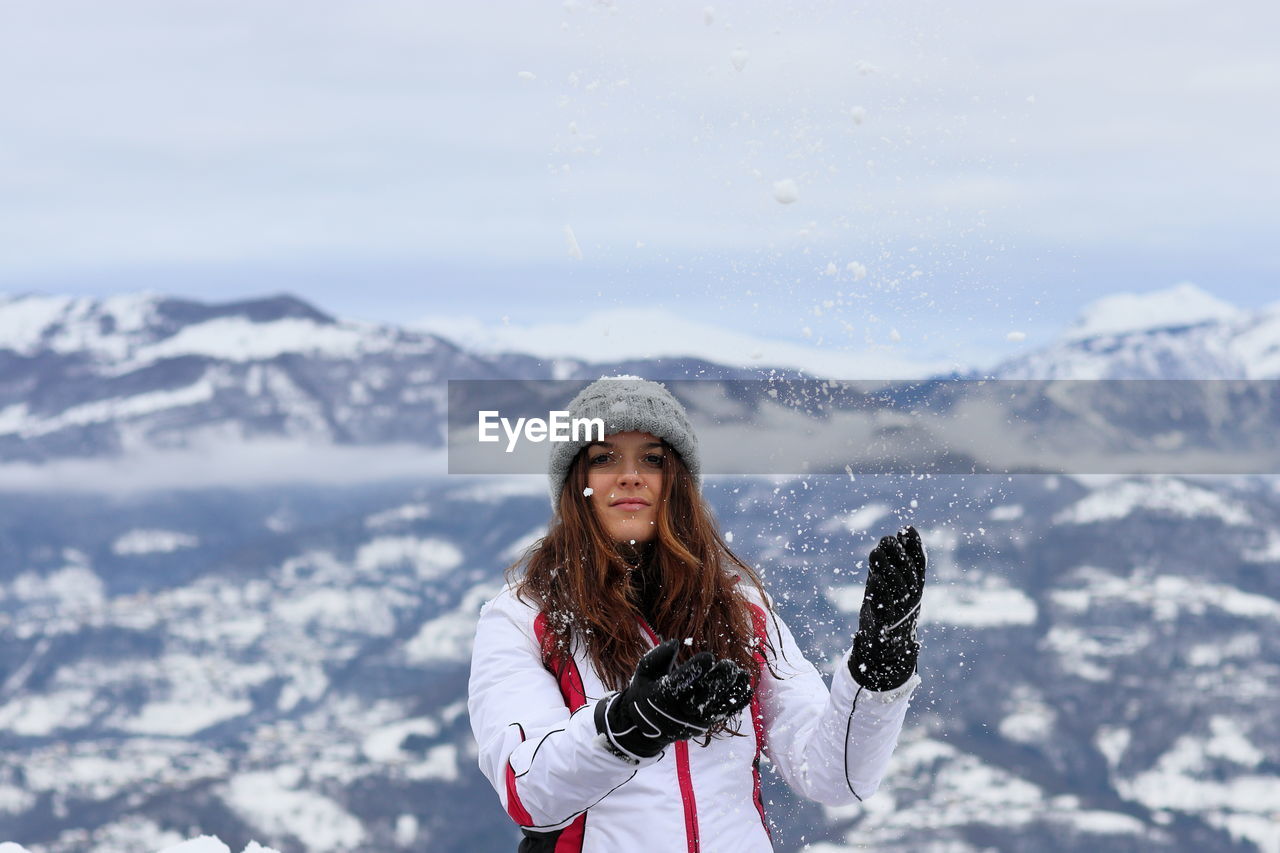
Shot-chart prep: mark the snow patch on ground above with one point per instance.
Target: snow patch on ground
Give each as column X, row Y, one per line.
column 129, row 834
column 1006, row 512
column 440, row 763
column 448, row 638
column 241, row 339
column 988, row 604
column 141, row 767
column 73, row 588
column 862, row 520
column 17, row 420
column 213, row 844
column 187, row 693
column 1262, row 830
column 14, row 800
column 1164, row 495
column 398, row 515
column 1185, row 778
column 1112, row 742
column 1242, row 646
column 407, row 830
column 1031, row 720
column 180, row 718
column 430, row 557
column 950, row 790
column 523, row 543
column 1166, row 596
column 152, row 542
column 1084, row 652
column 203, row 844
column 42, row 714
column 1269, row 552
column 383, row 744
column 272, row 804
column 361, row 610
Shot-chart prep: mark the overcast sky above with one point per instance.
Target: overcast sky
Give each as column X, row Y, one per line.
column 991, row 166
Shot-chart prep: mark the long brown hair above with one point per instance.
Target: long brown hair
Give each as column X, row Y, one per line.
column 578, row 578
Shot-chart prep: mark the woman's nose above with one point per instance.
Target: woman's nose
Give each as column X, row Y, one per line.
column 630, row 474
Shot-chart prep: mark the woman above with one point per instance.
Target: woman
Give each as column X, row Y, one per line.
column 624, row 685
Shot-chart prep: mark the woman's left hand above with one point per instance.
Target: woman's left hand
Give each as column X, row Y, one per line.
column 885, row 648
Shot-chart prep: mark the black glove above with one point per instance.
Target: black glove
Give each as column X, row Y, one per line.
column 885, row 647
column 662, row 705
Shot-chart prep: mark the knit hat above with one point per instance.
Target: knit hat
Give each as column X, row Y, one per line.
column 627, row 403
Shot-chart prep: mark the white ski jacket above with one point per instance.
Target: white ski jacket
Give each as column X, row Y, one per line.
column 539, row 748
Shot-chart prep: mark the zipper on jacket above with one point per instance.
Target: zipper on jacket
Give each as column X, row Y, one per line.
column 683, row 776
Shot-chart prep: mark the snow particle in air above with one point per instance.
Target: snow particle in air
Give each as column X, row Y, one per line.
column 588, row 492
column 575, row 251
column 1016, row 337
column 785, row 191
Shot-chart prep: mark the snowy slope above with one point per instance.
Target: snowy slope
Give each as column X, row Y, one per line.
column 1098, row 662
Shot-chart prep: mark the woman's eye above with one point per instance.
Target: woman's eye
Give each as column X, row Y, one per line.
column 599, row 459
column 655, row 459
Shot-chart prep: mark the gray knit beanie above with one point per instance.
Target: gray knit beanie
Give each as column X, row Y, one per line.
column 627, row 403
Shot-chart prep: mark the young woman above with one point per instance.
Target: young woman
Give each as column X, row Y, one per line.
column 625, row 683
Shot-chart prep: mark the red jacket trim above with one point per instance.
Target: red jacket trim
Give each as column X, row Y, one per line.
column 566, row 673
column 760, row 623
column 683, row 775
column 514, row 807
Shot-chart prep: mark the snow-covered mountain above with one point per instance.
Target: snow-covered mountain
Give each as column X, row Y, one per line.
column 138, row 374
column 86, row 378
column 1178, row 333
column 289, row 664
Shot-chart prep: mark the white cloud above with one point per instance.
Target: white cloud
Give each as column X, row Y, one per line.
column 623, row 333
column 247, row 464
column 152, row 133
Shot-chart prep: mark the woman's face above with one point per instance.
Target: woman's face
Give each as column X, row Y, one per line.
column 624, row 475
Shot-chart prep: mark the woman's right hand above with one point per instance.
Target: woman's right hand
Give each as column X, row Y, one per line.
column 662, row 704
